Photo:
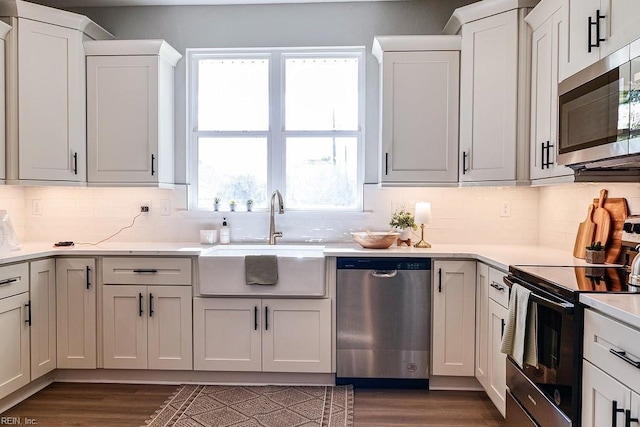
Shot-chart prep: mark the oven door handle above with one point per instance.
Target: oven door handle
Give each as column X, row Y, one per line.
column 562, row 307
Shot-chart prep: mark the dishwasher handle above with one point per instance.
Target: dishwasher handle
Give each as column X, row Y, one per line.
column 384, row 274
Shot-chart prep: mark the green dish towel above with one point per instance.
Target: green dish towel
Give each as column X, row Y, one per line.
column 261, row 269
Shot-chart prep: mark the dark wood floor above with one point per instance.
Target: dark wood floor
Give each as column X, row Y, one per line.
column 114, row 405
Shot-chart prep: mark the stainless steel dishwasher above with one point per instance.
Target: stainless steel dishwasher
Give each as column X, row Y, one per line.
column 383, row 321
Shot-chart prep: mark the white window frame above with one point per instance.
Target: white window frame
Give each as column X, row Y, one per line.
column 276, row 134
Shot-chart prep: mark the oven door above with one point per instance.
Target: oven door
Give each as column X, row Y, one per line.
column 556, row 376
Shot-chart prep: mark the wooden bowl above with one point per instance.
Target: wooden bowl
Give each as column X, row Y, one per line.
column 375, row 239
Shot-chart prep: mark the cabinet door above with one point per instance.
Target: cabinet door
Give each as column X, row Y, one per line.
column 122, row 117
column 42, row 291
column 51, row 99
column 577, row 14
column 453, row 318
column 497, row 382
column 169, row 327
column 419, row 116
column 124, row 325
column 227, row 334
column 488, row 98
column 76, row 313
column 482, row 328
column 296, row 335
column 14, row 353
column 622, row 23
column 635, row 405
column 600, row 393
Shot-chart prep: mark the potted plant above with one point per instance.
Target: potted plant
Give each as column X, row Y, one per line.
column 216, row 204
column 595, row 253
column 404, row 222
column 249, row 205
column 232, row 205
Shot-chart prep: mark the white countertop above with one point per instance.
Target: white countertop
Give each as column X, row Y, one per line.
column 624, row 307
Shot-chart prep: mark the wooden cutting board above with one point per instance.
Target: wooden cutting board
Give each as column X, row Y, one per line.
column 602, row 219
column 585, row 234
column 618, row 211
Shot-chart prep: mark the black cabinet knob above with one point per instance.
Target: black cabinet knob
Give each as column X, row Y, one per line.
column 627, row 227
column 636, row 228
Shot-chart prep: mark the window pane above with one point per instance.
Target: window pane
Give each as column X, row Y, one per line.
column 233, row 94
column 322, row 172
column 321, row 94
column 232, row 169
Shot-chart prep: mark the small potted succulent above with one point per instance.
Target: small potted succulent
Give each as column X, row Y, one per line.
column 595, row 253
column 404, row 222
column 249, row 205
column 232, row 205
column 216, row 204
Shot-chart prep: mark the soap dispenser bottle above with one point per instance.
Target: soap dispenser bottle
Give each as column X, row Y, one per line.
column 225, row 232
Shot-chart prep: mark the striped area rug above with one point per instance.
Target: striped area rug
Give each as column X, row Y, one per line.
column 256, row 406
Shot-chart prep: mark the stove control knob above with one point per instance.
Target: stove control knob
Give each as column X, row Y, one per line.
column 627, row 227
column 636, row 228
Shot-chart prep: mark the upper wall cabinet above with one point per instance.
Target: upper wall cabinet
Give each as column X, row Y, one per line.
column 4, row 30
column 548, row 42
column 597, row 28
column 45, row 81
column 494, row 91
column 130, row 112
column 419, row 81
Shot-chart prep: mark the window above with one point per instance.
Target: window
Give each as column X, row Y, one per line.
column 287, row 119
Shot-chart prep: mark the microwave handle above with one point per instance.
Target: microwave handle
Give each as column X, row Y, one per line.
column 562, row 307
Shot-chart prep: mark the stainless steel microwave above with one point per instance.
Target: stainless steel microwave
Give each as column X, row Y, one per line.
column 599, row 114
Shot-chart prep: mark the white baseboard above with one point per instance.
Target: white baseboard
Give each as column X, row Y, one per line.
column 28, row 390
column 454, row 383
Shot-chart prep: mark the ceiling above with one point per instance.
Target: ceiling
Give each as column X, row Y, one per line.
column 105, row 3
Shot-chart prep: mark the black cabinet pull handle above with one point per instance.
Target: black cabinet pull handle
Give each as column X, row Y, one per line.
column 88, row 277
column 145, row 270
column 542, row 162
column 595, row 23
column 28, row 306
column 623, row 355
column 589, row 43
column 7, row 281
column 150, row 304
column 502, row 330
column 386, row 163
column 75, row 163
column 153, row 160
column 614, row 413
column 549, row 147
column 439, row 280
column 496, row 286
column 266, row 318
column 140, row 305
column 255, row 318
column 627, row 418
column 464, row 162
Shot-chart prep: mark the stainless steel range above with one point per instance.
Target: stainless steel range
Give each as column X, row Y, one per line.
column 548, row 395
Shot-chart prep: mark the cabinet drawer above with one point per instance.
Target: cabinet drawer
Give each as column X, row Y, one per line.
column 498, row 291
column 603, row 335
column 146, row 271
column 14, row 279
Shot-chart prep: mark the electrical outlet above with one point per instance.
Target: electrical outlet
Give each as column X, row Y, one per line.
column 165, row 207
column 36, row 207
column 145, row 207
column 505, row 209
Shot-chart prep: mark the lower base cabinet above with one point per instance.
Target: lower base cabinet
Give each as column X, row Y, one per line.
column 147, row 327
column 497, row 374
column 270, row 335
column 42, row 290
column 14, row 352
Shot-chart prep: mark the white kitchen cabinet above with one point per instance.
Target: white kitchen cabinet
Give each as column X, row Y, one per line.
column 130, row 99
column 76, row 313
column 482, row 326
column 419, row 93
column 494, row 94
column 497, row 374
column 42, row 293
column 4, row 29
column 453, row 305
column 599, row 392
column 146, row 327
column 271, row 335
column 46, row 102
column 14, row 323
column 546, row 21
column 615, row 20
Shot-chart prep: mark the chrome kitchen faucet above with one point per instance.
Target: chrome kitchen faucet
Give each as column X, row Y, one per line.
column 272, row 223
